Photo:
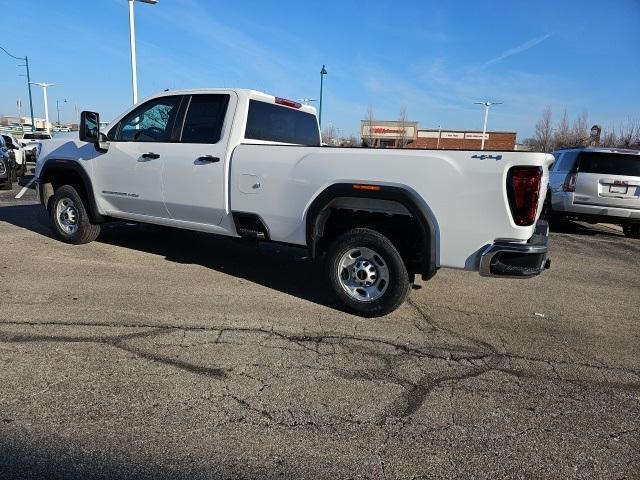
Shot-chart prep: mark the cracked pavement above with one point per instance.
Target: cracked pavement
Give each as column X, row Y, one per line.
column 154, row 353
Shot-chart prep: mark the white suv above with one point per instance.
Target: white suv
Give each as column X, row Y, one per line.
column 596, row 185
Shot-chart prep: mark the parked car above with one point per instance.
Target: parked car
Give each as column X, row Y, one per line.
column 7, row 169
column 31, row 143
column 241, row 163
column 17, row 150
column 596, row 185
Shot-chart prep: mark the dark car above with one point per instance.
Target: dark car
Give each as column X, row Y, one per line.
column 7, row 167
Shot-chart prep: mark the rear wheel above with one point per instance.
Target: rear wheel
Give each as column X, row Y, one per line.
column 631, row 230
column 367, row 273
column 69, row 217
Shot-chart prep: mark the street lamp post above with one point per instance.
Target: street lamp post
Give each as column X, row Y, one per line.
column 58, row 109
column 323, row 72
column 439, row 135
column 486, row 115
column 132, row 40
column 26, row 64
column 46, row 106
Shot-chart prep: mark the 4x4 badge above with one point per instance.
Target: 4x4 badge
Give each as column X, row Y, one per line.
column 484, row 157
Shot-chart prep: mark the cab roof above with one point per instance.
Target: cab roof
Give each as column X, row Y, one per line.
column 241, row 92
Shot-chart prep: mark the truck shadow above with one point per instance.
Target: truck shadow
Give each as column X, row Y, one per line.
column 280, row 267
column 575, row 228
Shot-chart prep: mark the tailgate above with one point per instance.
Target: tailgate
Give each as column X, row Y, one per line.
column 608, row 179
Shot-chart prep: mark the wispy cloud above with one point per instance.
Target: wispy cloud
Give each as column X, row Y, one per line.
column 519, row 49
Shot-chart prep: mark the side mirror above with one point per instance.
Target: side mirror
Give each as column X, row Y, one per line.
column 90, row 127
column 23, row 144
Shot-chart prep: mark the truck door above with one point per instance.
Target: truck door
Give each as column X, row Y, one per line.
column 128, row 176
column 195, row 166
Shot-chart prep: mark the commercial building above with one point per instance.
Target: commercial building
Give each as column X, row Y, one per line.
column 390, row 134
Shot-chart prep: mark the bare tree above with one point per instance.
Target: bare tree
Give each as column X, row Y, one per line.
column 543, row 138
column 369, row 122
column 580, row 132
column 402, row 128
column 329, row 135
column 608, row 138
column 629, row 134
column 562, row 135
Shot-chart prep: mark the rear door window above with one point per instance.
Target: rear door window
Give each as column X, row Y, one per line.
column 610, row 163
column 275, row 123
column 204, row 119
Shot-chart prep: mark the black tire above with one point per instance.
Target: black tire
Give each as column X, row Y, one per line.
column 78, row 229
column 23, row 170
column 631, row 230
column 391, row 293
column 8, row 185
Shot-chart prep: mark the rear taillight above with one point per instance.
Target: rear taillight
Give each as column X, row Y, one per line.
column 523, row 190
column 569, row 184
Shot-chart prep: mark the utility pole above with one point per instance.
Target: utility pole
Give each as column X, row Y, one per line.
column 486, row 115
column 26, row 64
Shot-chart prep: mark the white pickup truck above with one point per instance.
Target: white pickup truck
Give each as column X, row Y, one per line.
column 245, row 164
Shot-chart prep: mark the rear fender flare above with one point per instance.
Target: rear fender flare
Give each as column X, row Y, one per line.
column 317, row 215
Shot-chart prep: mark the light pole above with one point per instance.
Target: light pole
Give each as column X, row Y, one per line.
column 323, row 72
column 46, row 106
column 26, row 64
column 439, row 135
column 132, row 40
column 58, row 109
column 486, row 115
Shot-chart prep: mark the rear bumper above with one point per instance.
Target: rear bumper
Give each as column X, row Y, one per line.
column 567, row 206
column 518, row 260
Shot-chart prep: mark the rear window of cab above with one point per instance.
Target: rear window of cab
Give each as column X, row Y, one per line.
column 275, row 123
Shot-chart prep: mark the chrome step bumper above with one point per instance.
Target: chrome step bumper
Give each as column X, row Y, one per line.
column 518, row 260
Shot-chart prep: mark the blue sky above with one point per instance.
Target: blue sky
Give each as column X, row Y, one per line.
column 434, row 57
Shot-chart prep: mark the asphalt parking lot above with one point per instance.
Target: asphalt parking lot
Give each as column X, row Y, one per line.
column 166, row 354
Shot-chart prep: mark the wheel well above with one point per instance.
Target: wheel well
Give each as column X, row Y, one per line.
column 402, row 229
column 394, row 210
column 55, row 178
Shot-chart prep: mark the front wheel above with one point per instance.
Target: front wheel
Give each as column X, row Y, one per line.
column 367, row 273
column 69, row 217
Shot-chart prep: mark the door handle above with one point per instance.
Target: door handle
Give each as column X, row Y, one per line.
column 209, row 159
column 150, row 155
